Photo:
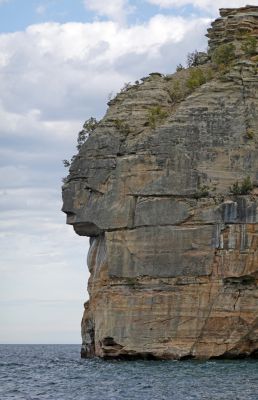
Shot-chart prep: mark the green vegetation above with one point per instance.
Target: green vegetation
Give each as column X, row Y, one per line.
column 249, row 45
column 67, row 164
column 144, row 78
column 179, row 67
column 156, row 115
column 121, row 126
column 223, row 54
column 156, row 74
column 250, row 134
column 244, row 188
column 132, row 282
column 88, row 127
column 196, row 78
column 176, row 91
column 192, row 59
column 179, row 89
column 127, row 85
column 204, row 191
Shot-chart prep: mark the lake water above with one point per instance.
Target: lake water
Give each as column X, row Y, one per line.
column 56, row 372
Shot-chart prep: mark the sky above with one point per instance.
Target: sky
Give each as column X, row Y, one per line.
column 60, row 61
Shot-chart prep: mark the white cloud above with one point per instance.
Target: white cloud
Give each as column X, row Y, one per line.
column 116, row 10
column 55, row 71
column 42, row 259
column 207, row 5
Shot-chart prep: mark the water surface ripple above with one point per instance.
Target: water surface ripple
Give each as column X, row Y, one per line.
column 56, row 372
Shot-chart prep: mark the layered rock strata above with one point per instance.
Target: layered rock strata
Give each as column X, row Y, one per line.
column 173, row 237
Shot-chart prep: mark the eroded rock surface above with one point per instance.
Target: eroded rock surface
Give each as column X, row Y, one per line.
column 173, row 252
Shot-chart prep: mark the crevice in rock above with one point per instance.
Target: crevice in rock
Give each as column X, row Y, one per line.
column 187, row 357
column 244, row 280
column 88, row 333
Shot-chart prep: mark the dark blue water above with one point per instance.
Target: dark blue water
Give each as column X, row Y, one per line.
column 56, row 372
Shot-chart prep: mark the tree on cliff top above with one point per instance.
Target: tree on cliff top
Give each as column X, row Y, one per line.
column 88, row 127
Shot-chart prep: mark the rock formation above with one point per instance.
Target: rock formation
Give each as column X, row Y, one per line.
column 167, row 189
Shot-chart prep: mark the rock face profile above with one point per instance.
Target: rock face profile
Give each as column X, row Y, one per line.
column 166, row 187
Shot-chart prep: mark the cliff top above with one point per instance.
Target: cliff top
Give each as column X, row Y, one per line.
column 233, row 26
column 196, row 128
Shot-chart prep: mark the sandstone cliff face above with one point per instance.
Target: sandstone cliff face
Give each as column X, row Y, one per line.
column 173, row 252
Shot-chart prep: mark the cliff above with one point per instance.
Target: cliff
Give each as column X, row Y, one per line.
column 167, row 189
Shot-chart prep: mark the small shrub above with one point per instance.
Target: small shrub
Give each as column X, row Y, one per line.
column 235, row 189
column 179, row 89
column 131, row 281
column 66, row 163
column 250, row 133
column 197, row 58
column 244, row 188
column 204, row 191
column 179, row 67
column 209, row 74
column 176, row 92
column 126, row 86
column 196, row 78
column 156, row 115
column 89, row 126
column 249, row 45
column 223, row 54
column 247, row 185
column 192, row 59
column 156, row 74
column 122, row 126
column 243, row 32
